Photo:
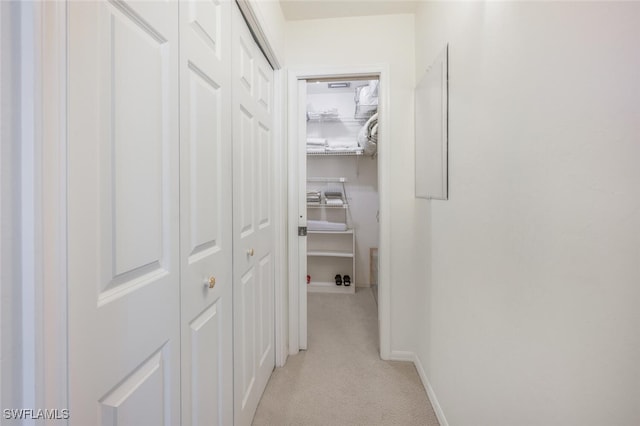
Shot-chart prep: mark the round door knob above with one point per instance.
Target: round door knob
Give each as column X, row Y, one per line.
column 250, row 252
column 212, row 282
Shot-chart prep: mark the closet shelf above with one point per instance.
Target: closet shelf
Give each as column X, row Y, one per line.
column 327, row 179
column 335, row 154
column 330, row 253
column 338, row 120
column 327, row 206
column 348, row 231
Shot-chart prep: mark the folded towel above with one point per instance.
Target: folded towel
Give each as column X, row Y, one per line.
column 328, row 114
column 316, row 141
column 354, row 149
column 323, row 225
column 352, row 143
column 333, row 194
column 334, row 202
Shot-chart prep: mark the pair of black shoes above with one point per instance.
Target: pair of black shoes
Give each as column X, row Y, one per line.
column 346, row 280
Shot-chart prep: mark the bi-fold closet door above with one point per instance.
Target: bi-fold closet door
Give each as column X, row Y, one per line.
column 206, row 213
column 169, row 103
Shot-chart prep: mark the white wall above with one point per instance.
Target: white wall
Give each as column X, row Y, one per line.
column 530, row 313
column 377, row 40
column 272, row 21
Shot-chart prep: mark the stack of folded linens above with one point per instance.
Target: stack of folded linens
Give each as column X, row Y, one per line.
column 333, row 198
column 313, row 197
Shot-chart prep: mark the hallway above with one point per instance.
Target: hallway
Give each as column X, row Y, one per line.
column 340, row 379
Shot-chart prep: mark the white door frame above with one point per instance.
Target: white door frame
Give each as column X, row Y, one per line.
column 296, row 295
column 49, row 387
column 43, row 144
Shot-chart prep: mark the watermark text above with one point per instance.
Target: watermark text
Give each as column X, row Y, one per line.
column 35, row 414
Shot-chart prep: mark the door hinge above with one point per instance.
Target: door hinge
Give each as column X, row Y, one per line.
column 302, row 231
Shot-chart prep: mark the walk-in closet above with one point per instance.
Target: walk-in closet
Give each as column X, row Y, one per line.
column 342, row 184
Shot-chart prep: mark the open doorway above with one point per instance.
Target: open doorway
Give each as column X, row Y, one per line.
column 341, row 183
column 337, row 192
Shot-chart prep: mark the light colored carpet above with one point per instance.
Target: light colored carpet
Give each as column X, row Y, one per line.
column 340, row 379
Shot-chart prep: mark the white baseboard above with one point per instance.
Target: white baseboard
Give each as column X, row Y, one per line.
column 402, row 356
column 412, row 357
column 430, row 393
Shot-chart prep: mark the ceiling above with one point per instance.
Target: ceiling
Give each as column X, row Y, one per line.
column 321, row 9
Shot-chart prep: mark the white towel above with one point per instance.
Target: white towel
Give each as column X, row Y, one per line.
column 334, row 202
column 353, row 149
column 369, row 94
column 316, row 142
column 349, row 144
column 323, row 225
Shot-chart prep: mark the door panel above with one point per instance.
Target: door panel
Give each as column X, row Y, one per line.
column 253, row 227
column 142, row 387
column 264, row 172
column 206, row 213
column 265, row 308
column 136, row 132
column 205, row 375
column 245, row 179
column 207, row 203
column 122, row 213
column 245, row 334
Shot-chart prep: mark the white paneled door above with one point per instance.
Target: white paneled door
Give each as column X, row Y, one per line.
column 205, row 213
column 123, row 262
column 252, row 221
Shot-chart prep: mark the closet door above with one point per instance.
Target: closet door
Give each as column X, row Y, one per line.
column 123, row 262
column 253, row 222
column 205, row 213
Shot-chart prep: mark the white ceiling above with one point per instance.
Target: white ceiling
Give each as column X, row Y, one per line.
column 321, row 9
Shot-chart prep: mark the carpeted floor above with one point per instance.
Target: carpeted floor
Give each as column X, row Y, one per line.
column 341, row 380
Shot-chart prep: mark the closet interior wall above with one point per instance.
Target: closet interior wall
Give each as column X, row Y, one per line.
column 360, row 172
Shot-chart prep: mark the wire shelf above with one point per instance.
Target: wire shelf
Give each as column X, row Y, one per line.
column 334, row 153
